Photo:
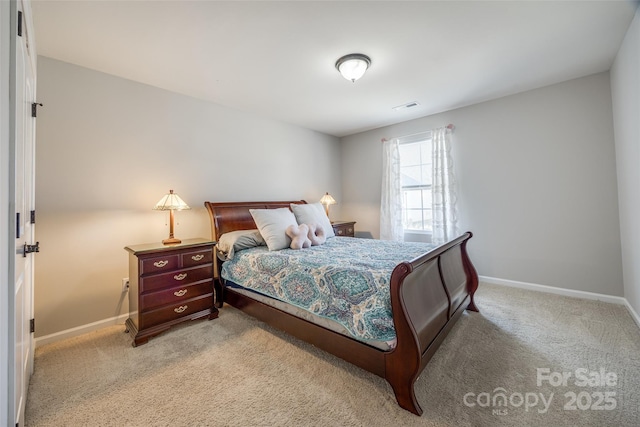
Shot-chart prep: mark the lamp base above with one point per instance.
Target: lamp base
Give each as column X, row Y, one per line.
column 171, row 241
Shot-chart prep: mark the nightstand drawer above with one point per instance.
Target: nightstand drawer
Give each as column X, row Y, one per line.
column 160, row 264
column 175, row 278
column 344, row 228
column 200, row 257
column 344, row 231
column 175, row 311
column 175, row 295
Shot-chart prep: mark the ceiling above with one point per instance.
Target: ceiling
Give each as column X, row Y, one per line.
column 276, row 59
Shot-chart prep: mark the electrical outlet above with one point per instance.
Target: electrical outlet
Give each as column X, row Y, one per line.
column 125, row 284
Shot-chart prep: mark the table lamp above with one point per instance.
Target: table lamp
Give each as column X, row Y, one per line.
column 171, row 202
column 327, row 200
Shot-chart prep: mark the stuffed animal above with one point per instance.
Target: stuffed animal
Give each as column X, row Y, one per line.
column 298, row 235
column 316, row 234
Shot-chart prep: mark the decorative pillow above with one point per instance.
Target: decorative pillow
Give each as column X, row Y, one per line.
column 230, row 243
column 272, row 224
column 298, row 235
column 316, row 235
column 313, row 213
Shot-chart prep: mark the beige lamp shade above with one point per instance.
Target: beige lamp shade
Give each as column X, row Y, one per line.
column 327, row 201
column 171, row 202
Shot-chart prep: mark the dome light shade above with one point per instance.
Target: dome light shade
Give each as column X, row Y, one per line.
column 353, row 66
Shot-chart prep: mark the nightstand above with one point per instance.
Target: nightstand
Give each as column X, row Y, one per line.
column 344, row 228
column 169, row 284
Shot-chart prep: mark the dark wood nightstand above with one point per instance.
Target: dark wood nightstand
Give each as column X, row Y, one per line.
column 344, row 228
column 169, row 284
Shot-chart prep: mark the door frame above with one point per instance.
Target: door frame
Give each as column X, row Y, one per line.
column 7, row 26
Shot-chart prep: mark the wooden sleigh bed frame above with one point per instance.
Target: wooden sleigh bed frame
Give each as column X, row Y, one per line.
column 428, row 295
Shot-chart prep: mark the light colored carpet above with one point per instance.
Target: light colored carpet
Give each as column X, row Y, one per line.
column 235, row 371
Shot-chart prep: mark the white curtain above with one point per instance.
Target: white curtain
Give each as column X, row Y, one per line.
column 445, row 219
column 391, row 200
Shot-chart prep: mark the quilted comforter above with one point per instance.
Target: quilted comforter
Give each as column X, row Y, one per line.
column 345, row 280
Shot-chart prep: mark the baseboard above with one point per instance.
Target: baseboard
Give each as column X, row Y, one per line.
column 566, row 292
column 74, row 332
column 633, row 313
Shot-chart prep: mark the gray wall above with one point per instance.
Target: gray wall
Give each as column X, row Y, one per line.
column 108, row 149
column 537, row 184
column 625, row 90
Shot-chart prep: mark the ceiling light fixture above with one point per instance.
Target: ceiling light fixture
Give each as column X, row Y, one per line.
column 353, row 66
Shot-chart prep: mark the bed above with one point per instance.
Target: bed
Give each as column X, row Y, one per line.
column 428, row 294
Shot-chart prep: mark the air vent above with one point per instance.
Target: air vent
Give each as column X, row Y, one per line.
column 406, row 106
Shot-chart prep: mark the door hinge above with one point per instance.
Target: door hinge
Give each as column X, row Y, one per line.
column 32, row 325
column 34, row 108
column 30, row 249
column 33, row 217
column 19, row 23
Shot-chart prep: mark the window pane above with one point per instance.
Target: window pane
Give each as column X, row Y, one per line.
column 410, row 154
column 426, row 199
column 413, row 220
column 428, row 220
column 426, row 173
column 418, row 219
column 411, row 175
column 425, row 151
column 412, row 199
column 415, row 167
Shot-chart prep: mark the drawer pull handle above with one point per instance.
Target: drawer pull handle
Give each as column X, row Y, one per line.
column 197, row 257
column 180, row 276
column 180, row 309
column 160, row 264
column 180, row 293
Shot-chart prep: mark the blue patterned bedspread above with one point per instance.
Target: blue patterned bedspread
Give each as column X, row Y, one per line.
column 345, row 280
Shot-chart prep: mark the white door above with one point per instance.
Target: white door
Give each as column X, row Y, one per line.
column 24, row 198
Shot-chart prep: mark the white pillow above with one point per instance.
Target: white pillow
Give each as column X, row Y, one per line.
column 313, row 213
column 272, row 224
column 238, row 240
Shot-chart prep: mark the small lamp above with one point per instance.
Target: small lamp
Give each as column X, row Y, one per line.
column 326, row 201
column 171, row 202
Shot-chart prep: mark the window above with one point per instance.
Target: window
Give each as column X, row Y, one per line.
column 415, row 175
column 418, row 194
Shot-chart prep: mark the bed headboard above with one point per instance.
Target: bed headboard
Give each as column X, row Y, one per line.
column 231, row 216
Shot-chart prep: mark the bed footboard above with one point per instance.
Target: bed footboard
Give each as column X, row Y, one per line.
column 428, row 295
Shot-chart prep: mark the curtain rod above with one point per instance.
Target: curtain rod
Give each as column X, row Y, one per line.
column 449, row 126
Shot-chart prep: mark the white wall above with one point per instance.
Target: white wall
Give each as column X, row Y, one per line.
column 625, row 91
column 537, row 184
column 108, row 149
